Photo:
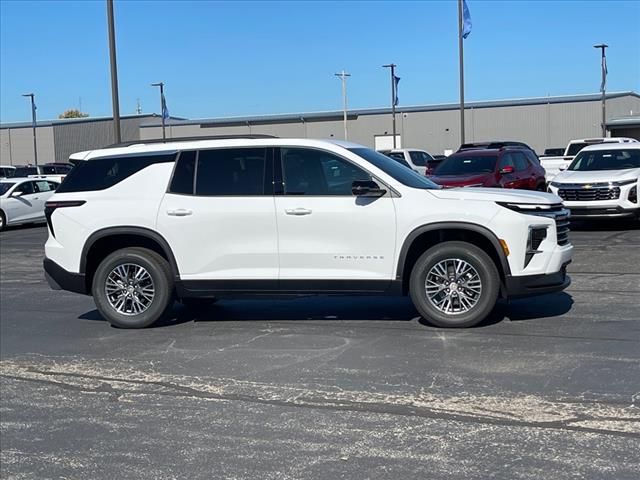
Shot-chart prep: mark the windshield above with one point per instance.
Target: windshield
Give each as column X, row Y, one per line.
column 404, row 175
column 25, row 171
column 5, row 186
column 614, row 159
column 465, row 164
column 574, row 148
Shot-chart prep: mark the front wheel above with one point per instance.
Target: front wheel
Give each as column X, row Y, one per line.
column 133, row 287
column 454, row 284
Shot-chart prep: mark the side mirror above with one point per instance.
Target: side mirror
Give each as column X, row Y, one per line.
column 562, row 168
column 367, row 188
column 17, row 193
column 506, row 170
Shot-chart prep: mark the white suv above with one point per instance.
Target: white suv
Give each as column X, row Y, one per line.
column 418, row 160
column 602, row 181
column 137, row 226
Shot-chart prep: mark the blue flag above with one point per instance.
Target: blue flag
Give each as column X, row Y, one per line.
column 395, row 90
column 466, row 20
column 165, row 110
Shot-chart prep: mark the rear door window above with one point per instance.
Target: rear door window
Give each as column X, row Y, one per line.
column 42, row 186
column 521, row 161
column 507, row 161
column 231, row 172
column 182, row 181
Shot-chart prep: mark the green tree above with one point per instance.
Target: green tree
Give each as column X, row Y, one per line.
column 73, row 113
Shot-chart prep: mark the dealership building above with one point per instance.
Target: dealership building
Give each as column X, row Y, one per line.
column 543, row 122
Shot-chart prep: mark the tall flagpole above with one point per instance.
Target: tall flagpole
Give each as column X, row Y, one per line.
column 603, row 86
column 393, row 66
column 33, row 126
column 162, row 106
column 461, row 50
column 114, row 73
column 343, row 76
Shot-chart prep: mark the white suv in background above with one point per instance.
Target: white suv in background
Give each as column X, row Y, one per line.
column 602, row 181
column 137, row 226
column 419, row 160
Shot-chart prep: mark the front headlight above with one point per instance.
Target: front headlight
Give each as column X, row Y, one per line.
column 624, row 182
column 633, row 195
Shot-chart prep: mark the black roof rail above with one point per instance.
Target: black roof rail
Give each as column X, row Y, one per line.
column 189, row 139
column 493, row 145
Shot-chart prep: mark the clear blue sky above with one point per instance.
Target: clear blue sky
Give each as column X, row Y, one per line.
column 241, row 58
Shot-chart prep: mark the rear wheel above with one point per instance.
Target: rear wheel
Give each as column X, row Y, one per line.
column 3, row 220
column 133, row 287
column 454, row 284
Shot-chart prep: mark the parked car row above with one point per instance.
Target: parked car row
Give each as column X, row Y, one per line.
column 597, row 177
column 53, row 169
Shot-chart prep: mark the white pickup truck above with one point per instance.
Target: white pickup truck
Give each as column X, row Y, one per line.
column 555, row 165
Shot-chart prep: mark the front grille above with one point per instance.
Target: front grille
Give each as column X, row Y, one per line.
column 562, row 229
column 591, row 194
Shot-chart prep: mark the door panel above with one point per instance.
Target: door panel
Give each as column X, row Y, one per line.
column 324, row 231
column 339, row 237
column 221, row 237
column 222, row 225
column 24, row 207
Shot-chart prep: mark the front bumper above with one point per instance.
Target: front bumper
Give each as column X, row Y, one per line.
column 530, row 285
column 60, row 279
column 603, row 212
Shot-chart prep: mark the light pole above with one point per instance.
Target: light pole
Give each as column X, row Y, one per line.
column 461, row 63
column 603, row 86
column 114, row 73
column 163, row 106
column 33, row 124
column 393, row 66
column 343, row 76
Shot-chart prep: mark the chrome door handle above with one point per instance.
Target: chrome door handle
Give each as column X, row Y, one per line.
column 180, row 212
column 298, row 211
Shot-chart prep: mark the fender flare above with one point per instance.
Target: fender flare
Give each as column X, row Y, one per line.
column 439, row 226
column 128, row 230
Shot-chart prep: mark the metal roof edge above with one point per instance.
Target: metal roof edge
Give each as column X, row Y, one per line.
column 318, row 115
column 64, row 121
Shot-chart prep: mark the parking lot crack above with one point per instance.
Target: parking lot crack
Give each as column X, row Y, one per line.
column 606, row 418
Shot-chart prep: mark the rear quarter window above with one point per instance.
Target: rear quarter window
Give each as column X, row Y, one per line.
column 103, row 173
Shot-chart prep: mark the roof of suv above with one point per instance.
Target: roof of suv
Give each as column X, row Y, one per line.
column 179, row 144
column 612, row 146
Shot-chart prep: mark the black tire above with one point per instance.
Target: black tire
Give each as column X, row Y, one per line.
column 3, row 221
column 476, row 258
column 160, row 273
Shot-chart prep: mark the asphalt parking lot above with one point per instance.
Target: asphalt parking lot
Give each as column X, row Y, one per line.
column 325, row 388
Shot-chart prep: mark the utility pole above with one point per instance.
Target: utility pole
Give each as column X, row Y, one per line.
column 33, row 125
column 163, row 106
column 393, row 66
column 114, row 73
column 461, row 52
column 603, row 85
column 343, row 76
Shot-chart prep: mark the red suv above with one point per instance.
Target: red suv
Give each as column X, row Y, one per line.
column 507, row 167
